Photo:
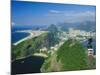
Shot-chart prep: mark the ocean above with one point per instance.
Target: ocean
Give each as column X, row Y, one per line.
column 16, row 36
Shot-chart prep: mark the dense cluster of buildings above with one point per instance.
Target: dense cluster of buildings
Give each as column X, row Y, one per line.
column 80, row 33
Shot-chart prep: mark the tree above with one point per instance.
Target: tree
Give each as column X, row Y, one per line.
column 89, row 43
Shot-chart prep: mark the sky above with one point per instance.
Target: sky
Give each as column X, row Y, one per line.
column 37, row 13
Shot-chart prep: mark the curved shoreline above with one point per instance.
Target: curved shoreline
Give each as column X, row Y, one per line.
column 31, row 35
column 25, row 38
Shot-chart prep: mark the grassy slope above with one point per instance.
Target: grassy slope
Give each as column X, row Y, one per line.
column 70, row 56
column 28, row 47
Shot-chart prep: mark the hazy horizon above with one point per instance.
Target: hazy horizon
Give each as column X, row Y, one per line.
column 38, row 13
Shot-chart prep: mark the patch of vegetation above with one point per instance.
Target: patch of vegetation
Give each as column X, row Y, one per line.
column 46, row 65
column 28, row 47
column 50, row 64
column 70, row 56
column 33, row 45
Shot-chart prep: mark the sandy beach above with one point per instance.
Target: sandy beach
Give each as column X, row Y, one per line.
column 32, row 35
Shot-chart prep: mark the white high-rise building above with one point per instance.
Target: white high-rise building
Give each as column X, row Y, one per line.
column 90, row 52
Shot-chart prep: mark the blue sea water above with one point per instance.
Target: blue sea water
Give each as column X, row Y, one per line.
column 16, row 36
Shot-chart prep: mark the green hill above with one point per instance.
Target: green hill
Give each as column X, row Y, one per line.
column 70, row 56
column 30, row 46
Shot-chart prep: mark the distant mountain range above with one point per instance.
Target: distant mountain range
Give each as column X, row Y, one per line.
column 85, row 25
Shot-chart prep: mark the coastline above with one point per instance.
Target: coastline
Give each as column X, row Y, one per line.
column 25, row 38
column 32, row 34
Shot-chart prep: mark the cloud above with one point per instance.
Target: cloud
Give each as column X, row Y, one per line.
column 82, row 13
column 13, row 23
column 71, row 16
column 56, row 16
column 54, row 11
column 80, row 16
